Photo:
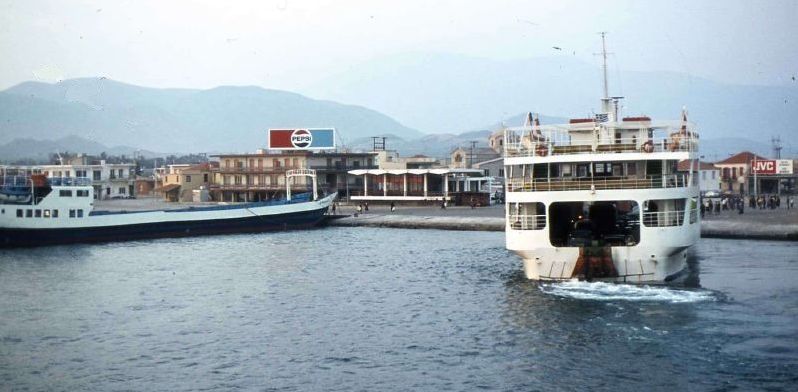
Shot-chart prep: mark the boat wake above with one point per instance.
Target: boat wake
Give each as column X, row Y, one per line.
column 601, row 291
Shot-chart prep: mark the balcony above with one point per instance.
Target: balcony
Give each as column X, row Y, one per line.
column 340, row 168
column 256, row 170
column 606, row 183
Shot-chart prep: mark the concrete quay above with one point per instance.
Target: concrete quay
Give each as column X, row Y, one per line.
column 779, row 224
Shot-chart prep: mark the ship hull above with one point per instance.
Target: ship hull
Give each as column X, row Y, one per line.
column 123, row 226
column 187, row 228
column 631, row 265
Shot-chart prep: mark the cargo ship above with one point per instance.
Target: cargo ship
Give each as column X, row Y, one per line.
column 36, row 210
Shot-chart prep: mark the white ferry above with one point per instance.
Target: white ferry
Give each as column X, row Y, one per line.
column 600, row 198
column 36, row 210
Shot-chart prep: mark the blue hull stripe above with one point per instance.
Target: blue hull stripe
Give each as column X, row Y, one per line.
column 38, row 237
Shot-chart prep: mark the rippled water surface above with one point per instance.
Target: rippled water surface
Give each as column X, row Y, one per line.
column 385, row 309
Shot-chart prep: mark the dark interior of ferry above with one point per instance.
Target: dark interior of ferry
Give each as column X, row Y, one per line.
column 604, row 223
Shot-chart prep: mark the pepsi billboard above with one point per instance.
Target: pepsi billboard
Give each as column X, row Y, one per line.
column 302, row 139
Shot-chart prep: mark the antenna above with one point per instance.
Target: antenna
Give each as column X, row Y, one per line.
column 605, row 100
column 604, row 66
column 776, row 142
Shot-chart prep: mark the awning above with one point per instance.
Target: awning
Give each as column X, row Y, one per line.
column 439, row 171
column 168, row 188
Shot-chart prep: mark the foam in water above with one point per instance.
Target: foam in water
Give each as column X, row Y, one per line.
column 602, row 291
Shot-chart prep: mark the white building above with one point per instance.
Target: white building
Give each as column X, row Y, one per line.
column 109, row 180
column 708, row 175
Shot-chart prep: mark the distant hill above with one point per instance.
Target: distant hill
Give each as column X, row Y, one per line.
column 40, row 150
column 181, row 120
column 446, row 92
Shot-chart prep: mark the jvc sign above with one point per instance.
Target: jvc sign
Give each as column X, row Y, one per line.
column 771, row 166
column 764, row 166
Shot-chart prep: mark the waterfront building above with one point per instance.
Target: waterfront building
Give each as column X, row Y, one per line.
column 180, row 181
column 256, row 176
column 332, row 170
column 451, row 185
column 390, row 160
column 464, row 157
column 109, row 180
column 708, row 175
column 735, row 172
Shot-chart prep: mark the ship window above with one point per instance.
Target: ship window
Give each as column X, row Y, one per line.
column 55, row 213
column 19, row 213
column 29, row 213
column 71, row 213
column 566, row 170
column 664, row 212
column 581, row 171
column 80, row 213
column 38, row 213
column 46, row 213
column 65, row 193
column 527, row 216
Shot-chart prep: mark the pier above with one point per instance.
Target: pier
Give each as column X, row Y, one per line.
column 778, row 224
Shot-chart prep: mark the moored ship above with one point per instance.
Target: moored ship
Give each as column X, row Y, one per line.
column 36, row 210
column 601, row 198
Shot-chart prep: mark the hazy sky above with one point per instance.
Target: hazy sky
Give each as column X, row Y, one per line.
column 289, row 44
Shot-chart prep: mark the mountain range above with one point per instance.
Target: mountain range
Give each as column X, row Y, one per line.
column 453, row 99
column 183, row 120
column 451, row 93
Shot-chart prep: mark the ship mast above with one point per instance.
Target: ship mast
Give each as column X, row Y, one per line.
column 609, row 105
column 604, row 67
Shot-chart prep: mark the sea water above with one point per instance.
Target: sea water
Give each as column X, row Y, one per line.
column 385, row 309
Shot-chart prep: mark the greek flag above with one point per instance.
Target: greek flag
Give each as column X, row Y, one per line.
column 602, row 117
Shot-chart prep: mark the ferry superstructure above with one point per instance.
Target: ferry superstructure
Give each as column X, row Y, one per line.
column 600, row 198
column 36, row 210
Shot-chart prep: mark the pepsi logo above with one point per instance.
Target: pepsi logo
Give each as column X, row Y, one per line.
column 301, row 138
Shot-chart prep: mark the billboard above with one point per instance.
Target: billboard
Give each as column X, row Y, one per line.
column 772, row 166
column 302, row 139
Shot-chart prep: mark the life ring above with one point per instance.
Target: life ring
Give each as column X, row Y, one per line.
column 541, row 150
column 648, row 146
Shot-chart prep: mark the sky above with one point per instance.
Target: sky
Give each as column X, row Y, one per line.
column 288, row 44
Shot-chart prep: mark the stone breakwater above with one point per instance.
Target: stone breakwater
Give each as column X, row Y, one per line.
column 709, row 229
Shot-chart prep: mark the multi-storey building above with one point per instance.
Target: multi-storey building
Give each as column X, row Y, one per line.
column 258, row 176
column 110, row 180
column 735, row 173
column 180, row 181
column 332, row 170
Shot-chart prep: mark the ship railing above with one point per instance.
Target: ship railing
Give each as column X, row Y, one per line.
column 69, row 181
column 526, row 144
column 527, row 222
column 663, row 218
column 15, row 181
column 596, row 183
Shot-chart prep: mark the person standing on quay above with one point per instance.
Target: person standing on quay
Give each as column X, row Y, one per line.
column 367, row 207
column 393, row 206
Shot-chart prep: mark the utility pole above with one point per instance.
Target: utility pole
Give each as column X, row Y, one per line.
column 471, row 157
